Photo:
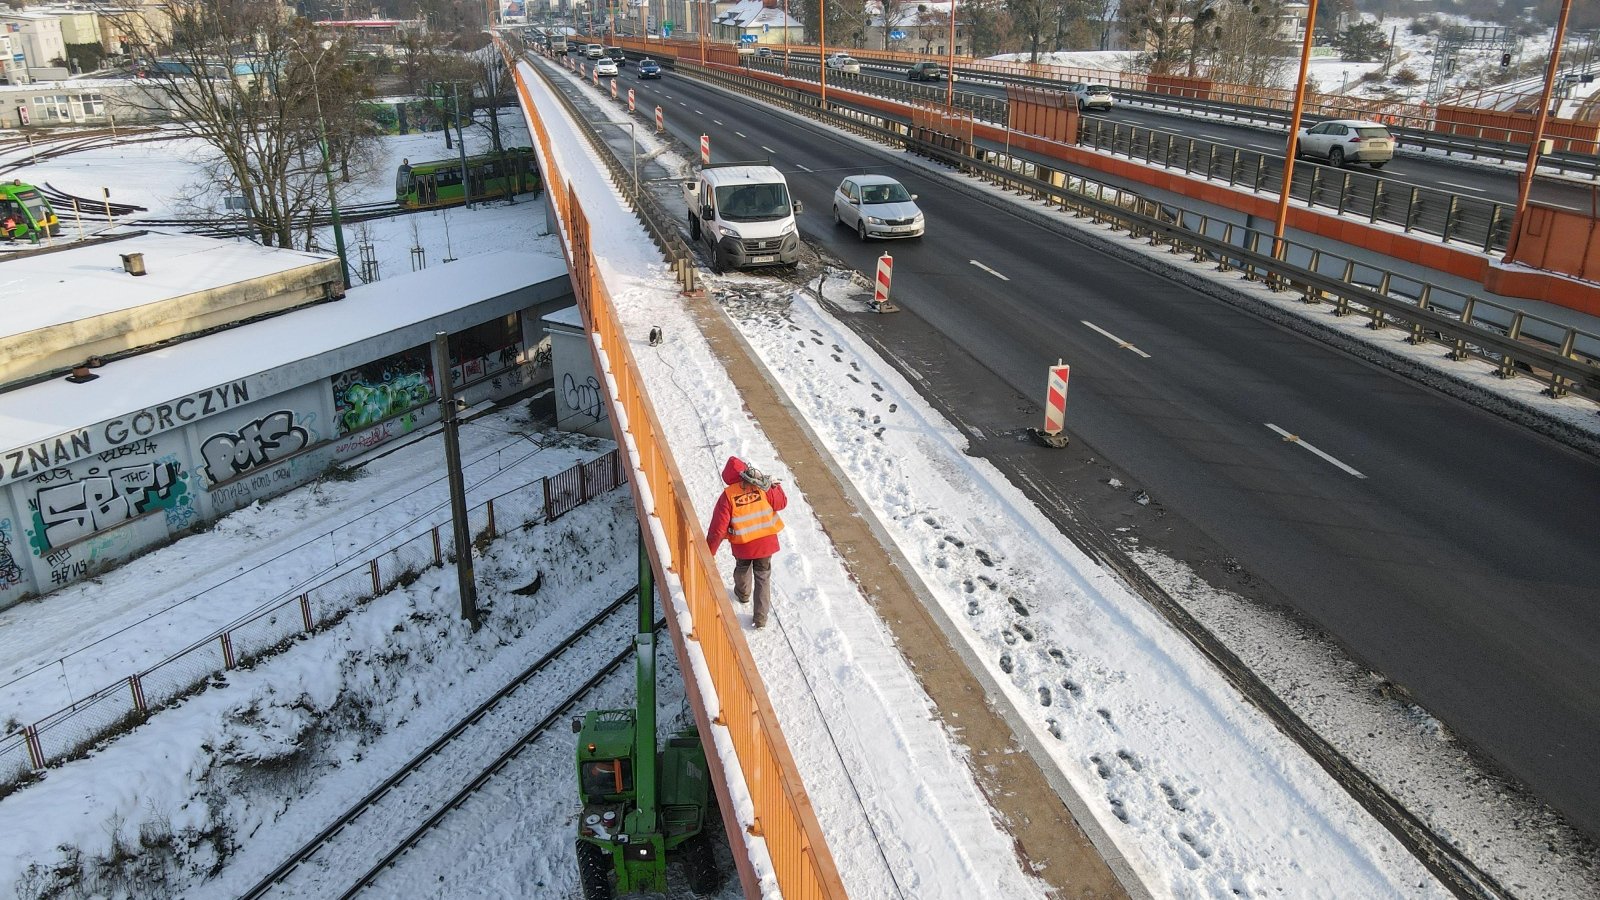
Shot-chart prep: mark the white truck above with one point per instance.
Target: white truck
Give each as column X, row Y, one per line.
column 744, row 214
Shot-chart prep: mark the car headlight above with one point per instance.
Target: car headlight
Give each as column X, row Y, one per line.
column 874, row 220
column 725, row 231
column 788, row 230
column 917, row 220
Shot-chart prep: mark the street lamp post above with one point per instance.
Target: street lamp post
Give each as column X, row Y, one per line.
column 327, row 172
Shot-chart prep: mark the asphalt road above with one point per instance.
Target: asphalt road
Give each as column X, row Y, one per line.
column 1482, row 180
column 1443, row 546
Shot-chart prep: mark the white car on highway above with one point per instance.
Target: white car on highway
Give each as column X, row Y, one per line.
column 877, row 206
column 1092, row 96
column 1343, row 141
column 843, row 62
column 605, row 67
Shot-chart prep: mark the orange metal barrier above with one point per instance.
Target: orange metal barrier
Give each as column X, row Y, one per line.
column 783, row 814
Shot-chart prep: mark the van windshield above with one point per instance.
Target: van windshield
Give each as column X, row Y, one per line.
column 753, row 202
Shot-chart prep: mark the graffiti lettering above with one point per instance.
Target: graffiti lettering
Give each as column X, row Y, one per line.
column 133, row 448
column 583, row 398
column 267, row 439
column 52, row 475
column 75, row 510
column 370, row 438
column 10, row 572
column 65, row 449
column 67, row 574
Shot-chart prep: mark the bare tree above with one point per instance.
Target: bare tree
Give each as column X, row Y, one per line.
column 1034, row 19
column 1242, row 46
column 250, row 82
column 1161, row 30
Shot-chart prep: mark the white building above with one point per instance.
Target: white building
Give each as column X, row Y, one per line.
column 36, row 37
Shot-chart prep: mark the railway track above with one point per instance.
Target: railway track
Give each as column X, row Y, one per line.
column 21, row 153
column 352, row 852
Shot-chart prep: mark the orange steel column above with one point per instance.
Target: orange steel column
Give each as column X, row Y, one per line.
column 1525, row 183
column 822, row 50
column 1294, row 132
column 950, row 66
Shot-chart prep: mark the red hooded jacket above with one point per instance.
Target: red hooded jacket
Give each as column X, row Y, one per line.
column 763, row 546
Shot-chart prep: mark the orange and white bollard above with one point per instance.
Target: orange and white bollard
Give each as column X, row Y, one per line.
column 613, row 89
column 1055, row 408
column 661, row 123
column 705, row 149
column 630, row 100
column 880, row 290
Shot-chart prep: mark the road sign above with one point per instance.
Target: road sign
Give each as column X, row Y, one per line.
column 747, row 39
column 897, row 35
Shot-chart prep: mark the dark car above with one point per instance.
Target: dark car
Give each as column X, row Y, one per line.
column 649, row 68
column 617, row 54
column 925, row 71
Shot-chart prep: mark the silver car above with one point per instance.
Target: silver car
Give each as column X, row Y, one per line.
column 1344, row 141
column 877, row 206
column 840, row 62
column 1092, row 96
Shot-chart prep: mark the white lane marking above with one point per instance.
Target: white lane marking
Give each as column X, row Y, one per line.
column 1267, row 146
column 1295, row 439
column 1121, row 344
column 989, row 270
column 715, row 122
column 739, row 133
column 802, row 168
column 1215, row 137
column 769, row 149
column 1464, row 187
column 698, row 113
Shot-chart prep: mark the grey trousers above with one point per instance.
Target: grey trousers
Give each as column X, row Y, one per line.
column 763, row 593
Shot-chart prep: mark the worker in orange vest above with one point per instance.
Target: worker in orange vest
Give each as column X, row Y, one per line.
column 747, row 516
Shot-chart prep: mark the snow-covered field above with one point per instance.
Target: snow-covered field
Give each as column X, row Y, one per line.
column 1194, row 786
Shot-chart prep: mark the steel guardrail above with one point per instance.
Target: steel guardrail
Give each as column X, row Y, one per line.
column 1516, row 342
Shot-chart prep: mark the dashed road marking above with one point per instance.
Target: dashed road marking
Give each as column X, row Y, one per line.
column 1121, row 344
column 769, row 149
column 738, row 134
column 989, row 270
column 801, row 168
column 1464, row 187
column 1295, row 439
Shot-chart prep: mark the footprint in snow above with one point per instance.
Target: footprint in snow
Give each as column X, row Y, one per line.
column 1058, row 656
column 1106, row 715
column 1100, row 768
column 930, row 521
column 877, row 385
column 1173, row 800
column 984, row 557
column 1044, row 695
column 837, row 359
column 1054, row 727
column 988, row 582
column 894, row 407
column 952, row 539
column 1023, row 631
column 942, row 562
column 817, row 333
column 837, row 348
column 1008, row 637
column 1072, row 687
column 1006, row 663
column 877, row 398
column 1198, row 845
column 816, row 341
column 1019, row 606
column 878, row 434
column 972, row 607
column 1133, row 762
column 852, row 378
column 968, row 586
column 1117, row 810
column 876, row 420
column 854, row 365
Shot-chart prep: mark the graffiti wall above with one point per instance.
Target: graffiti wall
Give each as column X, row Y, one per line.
column 82, row 501
column 388, row 388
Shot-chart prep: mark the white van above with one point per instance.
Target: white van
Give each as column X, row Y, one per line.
column 744, row 214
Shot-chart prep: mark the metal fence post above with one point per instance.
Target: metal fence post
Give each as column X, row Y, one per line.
column 305, row 611
column 490, row 506
column 227, row 650
column 548, row 514
column 377, row 584
column 30, row 736
column 138, row 695
column 438, row 552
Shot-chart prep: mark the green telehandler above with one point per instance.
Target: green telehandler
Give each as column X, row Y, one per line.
column 641, row 804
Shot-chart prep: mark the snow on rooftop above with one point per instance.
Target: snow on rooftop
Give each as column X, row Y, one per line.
column 41, row 411
column 177, row 265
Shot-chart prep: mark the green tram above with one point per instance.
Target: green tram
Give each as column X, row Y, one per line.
column 25, row 215
column 438, row 183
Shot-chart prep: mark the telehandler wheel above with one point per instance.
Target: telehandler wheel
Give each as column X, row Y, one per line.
column 594, row 872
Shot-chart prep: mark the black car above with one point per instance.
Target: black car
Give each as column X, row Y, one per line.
column 925, row 71
column 649, row 68
column 617, row 54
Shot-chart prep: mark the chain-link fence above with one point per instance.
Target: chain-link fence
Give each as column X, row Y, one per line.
column 72, row 731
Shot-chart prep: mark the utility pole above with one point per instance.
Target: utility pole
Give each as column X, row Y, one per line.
column 461, row 143
column 458, row 490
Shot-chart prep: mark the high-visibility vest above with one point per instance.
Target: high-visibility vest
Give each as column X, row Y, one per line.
column 753, row 517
